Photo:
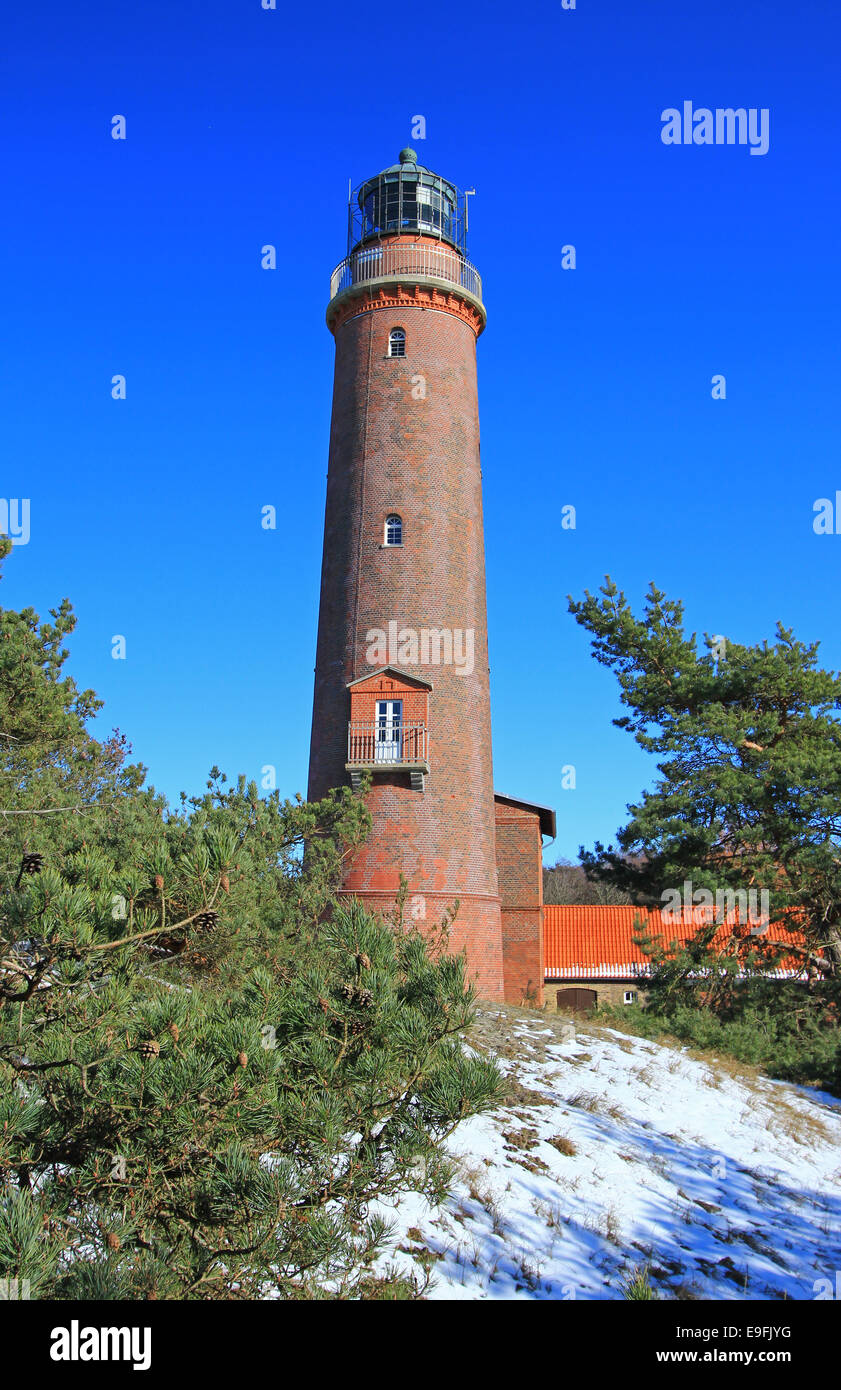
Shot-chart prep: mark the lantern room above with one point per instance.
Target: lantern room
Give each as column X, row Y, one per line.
column 407, row 198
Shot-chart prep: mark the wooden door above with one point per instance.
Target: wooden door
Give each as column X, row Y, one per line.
column 576, row 1001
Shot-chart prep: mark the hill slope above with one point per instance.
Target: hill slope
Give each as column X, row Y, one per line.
column 613, row 1152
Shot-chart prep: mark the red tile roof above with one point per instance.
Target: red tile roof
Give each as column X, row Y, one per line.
column 596, row 943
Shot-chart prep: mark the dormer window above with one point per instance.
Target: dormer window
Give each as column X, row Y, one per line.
column 393, row 530
column 397, row 343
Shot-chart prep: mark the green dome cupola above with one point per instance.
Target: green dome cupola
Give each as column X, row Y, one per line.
column 407, row 197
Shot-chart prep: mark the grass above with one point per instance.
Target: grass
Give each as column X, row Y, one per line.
column 768, row 1027
column 596, row 1105
column 481, row 1192
column 636, row 1284
column 526, row 1138
column 552, row 1213
column 657, row 1163
column 605, row 1224
column 563, row 1144
column 516, row 1093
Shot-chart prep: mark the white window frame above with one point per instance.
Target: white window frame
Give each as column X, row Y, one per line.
column 393, row 517
column 388, row 740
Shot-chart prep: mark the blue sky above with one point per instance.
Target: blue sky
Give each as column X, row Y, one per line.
column 142, row 257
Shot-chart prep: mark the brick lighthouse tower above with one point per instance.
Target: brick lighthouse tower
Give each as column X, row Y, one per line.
column 401, row 677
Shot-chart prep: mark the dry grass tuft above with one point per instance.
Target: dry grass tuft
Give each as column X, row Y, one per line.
column 521, row 1138
column 552, row 1213
column 563, row 1144
column 596, row 1105
column 517, row 1094
column 605, row 1223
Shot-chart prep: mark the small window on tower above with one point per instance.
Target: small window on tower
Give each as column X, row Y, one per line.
column 393, row 530
column 397, row 343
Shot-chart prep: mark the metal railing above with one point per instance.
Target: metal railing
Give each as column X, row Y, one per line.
column 372, row 743
column 402, row 260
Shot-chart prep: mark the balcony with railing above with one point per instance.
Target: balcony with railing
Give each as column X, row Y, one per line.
column 375, row 746
column 404, row 260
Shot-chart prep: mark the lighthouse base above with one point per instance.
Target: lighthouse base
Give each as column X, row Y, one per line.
column 502, row 937
column 476, row 929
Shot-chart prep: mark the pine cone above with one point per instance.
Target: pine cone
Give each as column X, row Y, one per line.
column 242, row 1058
column 159, row 881
column 226, row 883
column 174, row 1031
column 31, row 863
column 206, row 921
column 113, row 1242
column 363, row 961
column 346, row 990
column 365, row 999
column 149, row 1048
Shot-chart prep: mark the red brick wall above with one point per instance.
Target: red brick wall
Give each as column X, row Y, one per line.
column 391, row 451
column 519, row 860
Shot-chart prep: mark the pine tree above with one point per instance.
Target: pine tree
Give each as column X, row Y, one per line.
column 749, row 788
column 209, row 1085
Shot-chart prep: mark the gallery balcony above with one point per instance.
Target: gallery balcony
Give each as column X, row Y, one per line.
column 378, row 746
column 406, row 261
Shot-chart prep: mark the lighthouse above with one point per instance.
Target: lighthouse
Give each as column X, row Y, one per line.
column 401, row 678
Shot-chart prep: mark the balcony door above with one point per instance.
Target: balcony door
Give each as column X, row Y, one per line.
column 389, row 739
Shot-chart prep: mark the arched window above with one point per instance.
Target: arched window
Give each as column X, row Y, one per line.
column 394, row 530
column 397, row 343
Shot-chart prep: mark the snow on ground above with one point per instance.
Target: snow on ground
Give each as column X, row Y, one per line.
column 613, row 1152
